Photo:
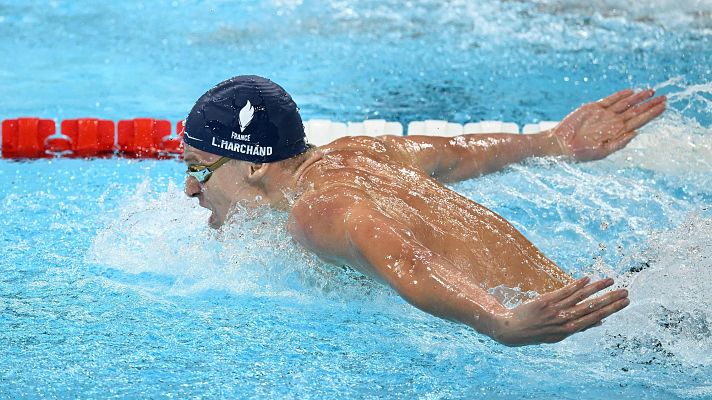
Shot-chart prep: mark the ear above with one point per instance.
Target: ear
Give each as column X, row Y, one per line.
column 257, row 172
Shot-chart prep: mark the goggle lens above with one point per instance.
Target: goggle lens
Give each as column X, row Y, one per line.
column 202, row 173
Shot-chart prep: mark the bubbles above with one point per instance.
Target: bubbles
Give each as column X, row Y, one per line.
column 151, row 232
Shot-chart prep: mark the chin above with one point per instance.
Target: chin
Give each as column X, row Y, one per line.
column 214, row 221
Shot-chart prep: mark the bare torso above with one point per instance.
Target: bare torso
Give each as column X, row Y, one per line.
column 477, row 241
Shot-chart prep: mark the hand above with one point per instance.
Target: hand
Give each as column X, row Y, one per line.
column 598, row 129
column 556, row 315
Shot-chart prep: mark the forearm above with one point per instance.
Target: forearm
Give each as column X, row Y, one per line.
column 479, row 154
column 438, row 288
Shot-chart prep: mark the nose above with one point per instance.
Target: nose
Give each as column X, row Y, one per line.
column 192, row 187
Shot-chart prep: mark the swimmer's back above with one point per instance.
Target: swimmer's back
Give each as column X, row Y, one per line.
column 381, row 172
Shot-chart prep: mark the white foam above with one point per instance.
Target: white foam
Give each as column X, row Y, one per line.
column 669, row 319
column 669, row 13
column 166, row 234
column 674, row 144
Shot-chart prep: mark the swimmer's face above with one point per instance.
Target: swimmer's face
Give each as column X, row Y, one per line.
column 226, row 186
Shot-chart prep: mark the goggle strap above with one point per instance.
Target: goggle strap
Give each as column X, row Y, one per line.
column 218, row 163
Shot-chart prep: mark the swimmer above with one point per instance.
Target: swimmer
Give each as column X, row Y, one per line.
column 380, row 204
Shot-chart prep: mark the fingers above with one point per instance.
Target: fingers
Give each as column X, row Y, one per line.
column 644, row 117
column 585, row 292
column 612, row 99
column 636, row 117
column 596, row 304
column 566, row 291
column 596, row 325
column 629, row 101
column 595, row 317
column 621, row 141
column 643, row 107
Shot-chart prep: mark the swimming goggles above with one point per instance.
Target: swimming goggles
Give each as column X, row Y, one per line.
column 202, row 172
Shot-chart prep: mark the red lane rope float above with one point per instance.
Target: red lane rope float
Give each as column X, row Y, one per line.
column 90, row 137
column 142, row 137
column 25, row 137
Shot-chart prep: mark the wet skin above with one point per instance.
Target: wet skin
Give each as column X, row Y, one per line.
column 379, row 205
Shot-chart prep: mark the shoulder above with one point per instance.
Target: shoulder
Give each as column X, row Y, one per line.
column 341, row 225
column 386, row 146
column 320, row 218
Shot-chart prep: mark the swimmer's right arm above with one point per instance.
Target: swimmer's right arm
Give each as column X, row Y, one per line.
column 384, row 248
column 431, row 283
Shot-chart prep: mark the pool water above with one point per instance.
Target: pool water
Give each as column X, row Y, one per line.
column 112, row 285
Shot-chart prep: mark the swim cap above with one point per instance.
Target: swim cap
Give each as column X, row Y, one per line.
column 247, row 118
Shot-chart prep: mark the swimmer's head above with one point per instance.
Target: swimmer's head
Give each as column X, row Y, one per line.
column 243, row 141
column 236, row 181
column 246, row 118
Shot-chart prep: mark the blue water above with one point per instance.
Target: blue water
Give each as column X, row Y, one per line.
column 112, row 285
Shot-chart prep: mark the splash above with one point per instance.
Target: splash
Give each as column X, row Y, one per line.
column 695, row 96
column 675, row 144
column 165, row 234
column 511, row 297
column 669, row 320
column 666, row 13
column 671, row 311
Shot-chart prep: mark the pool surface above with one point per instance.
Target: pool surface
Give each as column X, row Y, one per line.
column 112, row 285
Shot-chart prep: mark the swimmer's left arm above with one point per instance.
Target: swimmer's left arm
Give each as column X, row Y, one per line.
column 472, row 155
column 432, row 283
column 591, row 132
column 342, row 226
column 383, row 247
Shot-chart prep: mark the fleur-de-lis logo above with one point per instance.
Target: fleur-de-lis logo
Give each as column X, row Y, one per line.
column 245, row 116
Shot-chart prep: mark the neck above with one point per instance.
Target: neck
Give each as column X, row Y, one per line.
column 289, row 184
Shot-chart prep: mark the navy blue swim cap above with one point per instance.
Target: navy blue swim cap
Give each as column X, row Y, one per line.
column 247, row 118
